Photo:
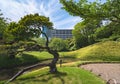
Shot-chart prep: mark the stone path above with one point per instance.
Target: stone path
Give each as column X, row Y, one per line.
column 107, row 71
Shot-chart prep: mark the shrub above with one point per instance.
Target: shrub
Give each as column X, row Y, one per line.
column 58, row 44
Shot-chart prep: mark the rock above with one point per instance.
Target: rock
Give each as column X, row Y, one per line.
column 111, row 81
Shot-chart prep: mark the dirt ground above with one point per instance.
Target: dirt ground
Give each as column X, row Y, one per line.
column 107, row 71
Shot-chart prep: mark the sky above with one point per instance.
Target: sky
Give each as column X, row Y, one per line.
column 15, row 9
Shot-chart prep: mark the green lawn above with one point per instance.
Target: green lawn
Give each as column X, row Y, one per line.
column 66, row 75
column 103, row 51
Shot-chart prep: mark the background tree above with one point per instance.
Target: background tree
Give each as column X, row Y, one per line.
column 94, row 14
column 3, row 25
column 3, row 47
column 58, row 44
column 83, row 34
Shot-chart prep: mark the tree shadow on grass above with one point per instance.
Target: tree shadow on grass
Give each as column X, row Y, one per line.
column 12, row 66
column 58, row 75
column 28, row 59
column 45, row 77
column 24, row 59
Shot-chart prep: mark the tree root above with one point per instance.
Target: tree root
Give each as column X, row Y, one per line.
column 25, row 69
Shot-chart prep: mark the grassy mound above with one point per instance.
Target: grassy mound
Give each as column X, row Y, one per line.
column 66, row 75
column 103, row 51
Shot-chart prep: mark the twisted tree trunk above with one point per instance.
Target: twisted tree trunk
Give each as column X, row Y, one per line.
column 55, row 54
column 52, row 65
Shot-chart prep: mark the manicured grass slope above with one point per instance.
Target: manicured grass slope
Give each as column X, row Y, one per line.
column 66, row 75
column 103, row 51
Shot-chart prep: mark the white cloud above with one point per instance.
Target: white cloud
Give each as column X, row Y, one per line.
column 15, row 9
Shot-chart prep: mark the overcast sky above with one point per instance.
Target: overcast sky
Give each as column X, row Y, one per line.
column 15, row 9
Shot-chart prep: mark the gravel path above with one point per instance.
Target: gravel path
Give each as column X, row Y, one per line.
column 108, row 72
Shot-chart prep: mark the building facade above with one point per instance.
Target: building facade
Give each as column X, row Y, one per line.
column 61, row 33
column 57, row 33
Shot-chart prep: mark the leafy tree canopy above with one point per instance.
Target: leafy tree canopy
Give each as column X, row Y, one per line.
column 28, row 27
column 93, row 15
column 35, row 21
column 93, row 10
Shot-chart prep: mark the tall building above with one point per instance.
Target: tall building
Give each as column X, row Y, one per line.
column 57, row 33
